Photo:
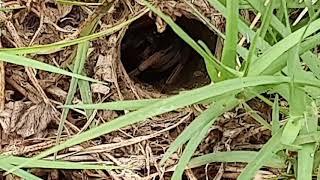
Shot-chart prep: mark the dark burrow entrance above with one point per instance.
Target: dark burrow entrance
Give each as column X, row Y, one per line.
column 163, row 60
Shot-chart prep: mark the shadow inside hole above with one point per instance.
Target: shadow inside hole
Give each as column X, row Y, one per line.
column 31, row 22
column 163, row 60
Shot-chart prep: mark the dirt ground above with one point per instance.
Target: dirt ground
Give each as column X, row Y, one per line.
column 30, row 114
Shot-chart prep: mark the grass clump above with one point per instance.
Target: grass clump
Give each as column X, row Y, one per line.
column 280, row 59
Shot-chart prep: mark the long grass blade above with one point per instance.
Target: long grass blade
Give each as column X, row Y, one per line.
column 306, row 154
column 19, row 172
column 235, row 156
column 27, row 62
column 260, row 33
column 55, row 164
column 256, row 116
column 81, row 52
column 58, row 46
column 79, row 61
column 116, row 105
column 190, row 148
column 263, row 155
column 168, row 105
column 230, row 45
column 221, row 105
column 183, row 35
column 275, row 115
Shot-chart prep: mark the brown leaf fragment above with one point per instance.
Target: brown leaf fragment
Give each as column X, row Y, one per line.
column 100, row 88
column 103, row 69
column 35, row 120
column 25, row 119
column 10, row 116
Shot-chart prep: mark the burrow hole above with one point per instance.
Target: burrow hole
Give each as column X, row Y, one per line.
column 163, row 60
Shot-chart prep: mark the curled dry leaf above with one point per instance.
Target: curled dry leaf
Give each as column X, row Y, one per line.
column 25, row 119
column 100, row 88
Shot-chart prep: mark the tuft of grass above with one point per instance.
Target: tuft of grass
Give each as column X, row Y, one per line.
column 78, row 65
column 275, row 62
column 229, row 53
column 27, row 62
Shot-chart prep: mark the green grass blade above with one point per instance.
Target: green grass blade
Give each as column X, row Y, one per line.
column 275, row 23
column 196, row 126
column 262, row 63
column 210, row 65
column 309, row 43
column 19, row 172
column 243, row 28
column 235, row 156
column 79, row 62
column 305, row 161
column 295, row 4
column 256, row 116
column 116, row 105
column 308, row 138
column 275, row 115
column 286, row 15
column 275, row 64
column 47, row 164
column 230, row 45
column 296, row 101
column 272, row 54
column 27, row 62
column 309, row 5
column 183, row 35
column 267, row 16
column 216, row 64
column 278, row 63
column 221, row 105
column 259, row 33
column 58, row 46
column 306, row 154
column 312, row 62
column 251, row 54
column 191, row 148
column 264, row 154
column 241, row 50
column 168, row 105
column 286, row 30
column 292, row 129
column 81, row 53
column 86, row 95
column 89, row 28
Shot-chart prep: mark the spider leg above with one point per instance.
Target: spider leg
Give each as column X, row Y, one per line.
column 182, row 58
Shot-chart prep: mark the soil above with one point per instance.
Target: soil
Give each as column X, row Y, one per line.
column 30, row 112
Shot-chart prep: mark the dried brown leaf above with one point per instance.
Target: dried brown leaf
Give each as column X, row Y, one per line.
column 25, row 119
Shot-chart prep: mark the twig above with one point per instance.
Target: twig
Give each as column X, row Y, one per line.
column 2, row 82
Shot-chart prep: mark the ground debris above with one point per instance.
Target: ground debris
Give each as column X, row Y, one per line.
column 25, row 119
column 26, row 126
